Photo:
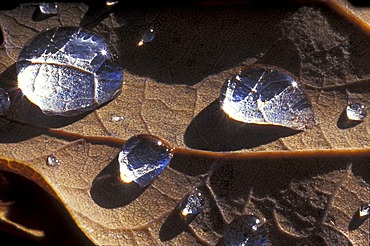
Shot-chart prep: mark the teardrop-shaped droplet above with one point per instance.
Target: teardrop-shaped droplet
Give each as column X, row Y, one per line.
column 4, row 101
column 267, row 95
column 356, row 111
column 52, row 161
column 193, row 203
column 246, row 230
column 68, row 70
column 147, row 36
column 364, row 210
column 48, row 8
column 143, row 158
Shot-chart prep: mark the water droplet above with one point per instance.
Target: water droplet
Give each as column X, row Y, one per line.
column 67, row 71
column 356, row 111
column 48, row 8
column 4, row 101
column 267, row 95
column 117, row 118
column 246, row 230
column 192, row 203
column 52, row 161
column 147, row 37
column 142, row 158
column 364, row 210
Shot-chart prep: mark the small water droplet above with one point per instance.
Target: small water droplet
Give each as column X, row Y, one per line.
column 68, row 71
column 267, row 95
column 246, row 230
column 52, row 161
column 193, row 203
column 4, row 101
column 117, row 118
column 110, row 3
column 48, row 8
column 142, row 158
column 147, row 36
column 364, row 210
column 356, row 111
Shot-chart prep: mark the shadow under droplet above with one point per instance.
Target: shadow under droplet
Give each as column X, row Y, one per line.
column 213, row 130
column 344, row 123
column 108, row 191
column 175, row 224
column 356, row 221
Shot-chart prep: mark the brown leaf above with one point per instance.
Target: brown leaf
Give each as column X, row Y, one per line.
column 307, row 185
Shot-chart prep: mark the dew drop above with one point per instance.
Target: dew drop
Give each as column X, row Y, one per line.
column 356, row 111
column 147, row 36
column 68, row 71
column 364, row 210
column 246, row 230
column 193, row 203
column 142, row 158
column 117, row 118
column 110, row 3
column 48, row 8
column 267, row 95
column 4, row 101
column 52, row 161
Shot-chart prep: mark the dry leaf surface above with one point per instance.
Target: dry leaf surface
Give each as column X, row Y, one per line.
column 171, row 89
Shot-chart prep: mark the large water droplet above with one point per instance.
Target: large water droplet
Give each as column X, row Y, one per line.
column 142, row 158
column 356, row 111
column 246, row 230
column 67, row 71
column 193, row 203
column 4, row 101
column 267, row 95
column 147, row 36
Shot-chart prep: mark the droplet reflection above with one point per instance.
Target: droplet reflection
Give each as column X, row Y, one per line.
column 48, row 8
column 192, row 203
column 246, row 230
column 356, row 111
column 52, row 161
column 147, row 36
column 267, row 95
column 68, row 70
column 364, row 210
column 143, row 158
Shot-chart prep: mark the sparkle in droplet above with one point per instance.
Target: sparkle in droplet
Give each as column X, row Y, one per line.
column 52, row 161
column 267, row 95
column 4, row 101
column 193, row 203
column 68, row 70
column 356, row 111
column 142, row 158
column 48, row 8
column 147, row 37
column 364, row 210
column 246, row 230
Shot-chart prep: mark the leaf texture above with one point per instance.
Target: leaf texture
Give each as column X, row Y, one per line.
column 171, row 89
